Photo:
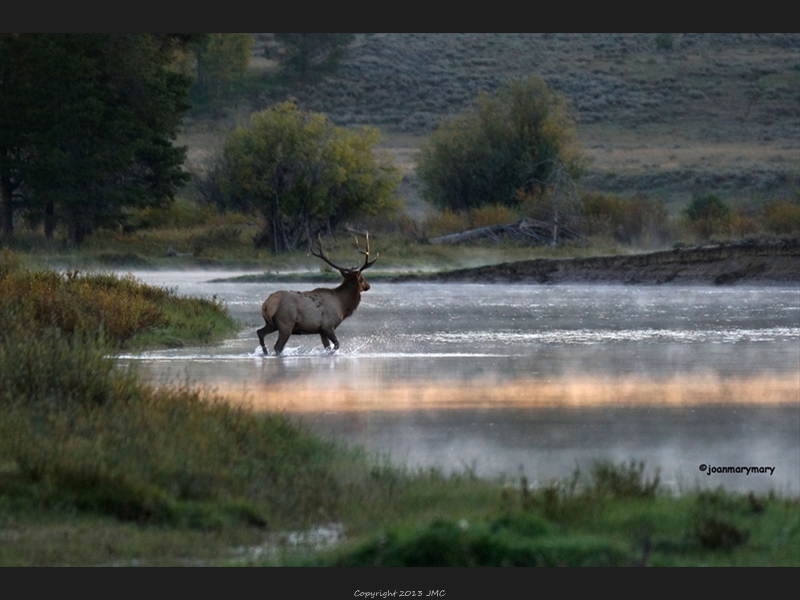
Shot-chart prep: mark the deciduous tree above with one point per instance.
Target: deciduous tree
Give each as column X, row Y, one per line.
column 302, row 174
column 515, row 143
column 221, row 58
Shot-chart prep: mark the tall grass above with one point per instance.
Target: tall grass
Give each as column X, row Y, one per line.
column 617, row 515
column 128, row 312
column 80, row 433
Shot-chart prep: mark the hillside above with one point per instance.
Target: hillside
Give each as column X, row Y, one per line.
column 715, row 112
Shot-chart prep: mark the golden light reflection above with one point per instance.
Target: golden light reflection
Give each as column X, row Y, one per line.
column 688, row 390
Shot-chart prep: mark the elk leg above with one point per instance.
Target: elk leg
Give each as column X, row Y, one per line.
column 266, row 329
column 325, row 341
column 332, row 337
column 283, row 337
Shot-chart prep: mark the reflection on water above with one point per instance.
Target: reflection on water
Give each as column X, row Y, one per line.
column 538, row 377
column 566, row 392
column 548, row 443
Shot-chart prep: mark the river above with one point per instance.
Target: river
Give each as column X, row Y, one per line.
column 510, row 379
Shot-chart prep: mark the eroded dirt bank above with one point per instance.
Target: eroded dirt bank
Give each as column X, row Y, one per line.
column 720, row 264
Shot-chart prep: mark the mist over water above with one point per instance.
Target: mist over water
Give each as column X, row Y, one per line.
column 510, row 378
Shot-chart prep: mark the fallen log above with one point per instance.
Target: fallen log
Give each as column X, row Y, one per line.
column 525, row 230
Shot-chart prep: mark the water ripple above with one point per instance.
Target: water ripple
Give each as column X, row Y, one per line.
column 597, row 336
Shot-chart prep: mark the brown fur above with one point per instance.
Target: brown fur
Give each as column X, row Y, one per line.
column 319, row 311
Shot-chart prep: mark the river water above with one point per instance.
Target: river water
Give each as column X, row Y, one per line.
column 510, row 379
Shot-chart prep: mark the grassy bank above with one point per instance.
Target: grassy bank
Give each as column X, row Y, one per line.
column 87, row 446
column 123, row 311
column 614, row 516
column 97, row 466
column 228, row 246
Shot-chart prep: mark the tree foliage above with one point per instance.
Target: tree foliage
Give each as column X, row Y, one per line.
column 87, row 123
column 302, row 174
column 221, row 59
column 516, row 143
column 303, row 54
column 708, row 215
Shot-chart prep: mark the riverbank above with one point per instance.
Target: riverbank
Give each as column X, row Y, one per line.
column 748, row 261
column 93, row 473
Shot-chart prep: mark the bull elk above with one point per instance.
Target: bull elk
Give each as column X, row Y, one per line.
column 319, row 311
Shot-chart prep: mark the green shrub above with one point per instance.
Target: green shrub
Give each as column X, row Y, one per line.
column 712, row 533
column 218, row 238
column 709, row 206
column 518, row 542
column 781, row 217
column 179, row 214
column 121, row 307
column 708, row 215
column 519, row 139
column 494, row 214
column 664, row 41
column 305, row 54
column 602, row 213
column 623, row 480
column 639, row 220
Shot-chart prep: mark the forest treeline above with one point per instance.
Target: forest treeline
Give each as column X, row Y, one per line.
column 88, row 121
column 88, row 124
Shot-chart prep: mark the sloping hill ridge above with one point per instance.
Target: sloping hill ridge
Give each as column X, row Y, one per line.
column 750, row 261
column 713, row 113
column 410, row 81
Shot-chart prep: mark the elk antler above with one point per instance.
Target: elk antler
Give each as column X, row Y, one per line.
column 321, row 255
column 367, row 262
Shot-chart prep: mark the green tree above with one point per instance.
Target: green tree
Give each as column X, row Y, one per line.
column 514, row 143
column 21, row 71
column 302, row 174
column 708, row 215
column 221, row 59
column 303, row 54
column 96, row 117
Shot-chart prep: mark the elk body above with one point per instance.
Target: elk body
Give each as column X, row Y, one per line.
column 319, row 311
